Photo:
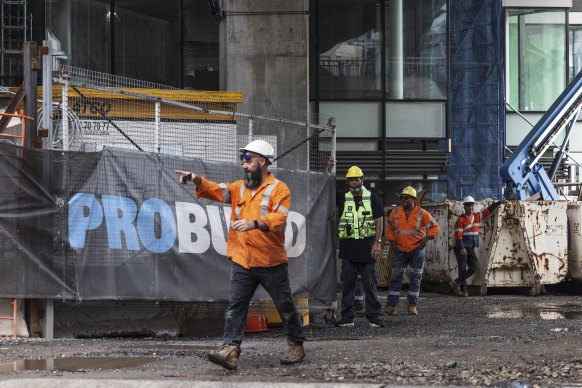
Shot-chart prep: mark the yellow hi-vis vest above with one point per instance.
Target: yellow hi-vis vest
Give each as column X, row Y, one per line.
column 357, row 224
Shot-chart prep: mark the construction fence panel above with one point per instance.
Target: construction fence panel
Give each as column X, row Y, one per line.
column 118, row 225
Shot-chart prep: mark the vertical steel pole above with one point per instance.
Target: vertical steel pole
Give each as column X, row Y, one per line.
column 30, row 82
column 49, row 320
column 157, row 124
column 251, row 128
column 65, row 117
column 47, row 93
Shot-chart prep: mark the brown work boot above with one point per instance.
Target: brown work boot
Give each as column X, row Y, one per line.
column 295, row 353
column 465, row 294
column 456, row 287
column 389, row 310
column 360, row 312
column 226, row 356
column 412, row 309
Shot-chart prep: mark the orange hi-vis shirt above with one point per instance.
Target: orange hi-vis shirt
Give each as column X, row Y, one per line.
column 270, row 204
column 467, row 228
column 408, row 232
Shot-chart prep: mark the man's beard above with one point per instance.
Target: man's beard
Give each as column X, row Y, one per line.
column 356, row 190
column 408, row 205
column 253, row 179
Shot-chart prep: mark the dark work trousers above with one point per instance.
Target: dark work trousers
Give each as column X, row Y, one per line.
column 243, row 284
column 359, row 291
column 350, row 271
column 467, row 265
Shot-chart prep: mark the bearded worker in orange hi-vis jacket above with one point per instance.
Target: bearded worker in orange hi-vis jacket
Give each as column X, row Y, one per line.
column 256, row 237
column 409, row 228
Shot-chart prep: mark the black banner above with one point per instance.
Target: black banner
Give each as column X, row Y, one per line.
column 117, row 225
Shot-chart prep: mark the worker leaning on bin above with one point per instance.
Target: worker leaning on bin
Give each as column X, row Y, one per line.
column 408, row 230
column 467, row 229
column 256, row 247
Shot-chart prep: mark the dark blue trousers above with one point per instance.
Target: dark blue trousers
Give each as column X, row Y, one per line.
column 243, row 284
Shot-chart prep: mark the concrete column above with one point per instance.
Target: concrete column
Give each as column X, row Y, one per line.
column 264, row 53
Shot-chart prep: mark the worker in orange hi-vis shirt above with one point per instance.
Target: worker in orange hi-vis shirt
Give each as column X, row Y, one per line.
column 409, row 228
column 256, row 237
column 467, row 230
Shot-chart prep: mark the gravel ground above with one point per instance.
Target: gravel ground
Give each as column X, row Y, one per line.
column 496, row 340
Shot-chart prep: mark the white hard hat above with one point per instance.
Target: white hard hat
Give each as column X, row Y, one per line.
column 260, row 147
column 468, row 199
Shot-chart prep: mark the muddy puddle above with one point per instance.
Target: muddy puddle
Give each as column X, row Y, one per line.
column 75, row 364
column 173, row 347
column 549, row 312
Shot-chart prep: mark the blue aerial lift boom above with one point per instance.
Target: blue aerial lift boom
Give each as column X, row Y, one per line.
column 522, row 174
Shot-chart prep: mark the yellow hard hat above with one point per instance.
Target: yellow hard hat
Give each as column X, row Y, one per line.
column 354, row 172
column 409, row 190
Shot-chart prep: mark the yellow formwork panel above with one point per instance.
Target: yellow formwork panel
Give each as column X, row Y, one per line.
column 91, row 103
column 273, row 317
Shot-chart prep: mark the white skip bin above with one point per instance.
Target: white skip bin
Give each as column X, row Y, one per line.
column 523, row 244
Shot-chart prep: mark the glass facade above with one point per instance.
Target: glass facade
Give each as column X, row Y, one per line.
column 536, row 57
column 200, row 34
column 175, row 44
column 375, row 64
column 350, row 48
column 416, row 49
column 147, row 40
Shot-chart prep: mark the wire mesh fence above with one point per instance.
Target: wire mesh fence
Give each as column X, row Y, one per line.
column 113, row 111
column 102, row 110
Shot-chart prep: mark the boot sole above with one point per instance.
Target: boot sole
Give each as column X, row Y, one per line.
column 290, row 362
column 220, row 362
column 345, row 325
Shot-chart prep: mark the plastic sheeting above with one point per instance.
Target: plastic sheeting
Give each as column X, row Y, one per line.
column 117, row 225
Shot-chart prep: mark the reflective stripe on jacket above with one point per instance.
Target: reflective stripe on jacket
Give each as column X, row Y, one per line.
column 357, row 224
column 467, row 230
column 269, row 204
column 409, row 232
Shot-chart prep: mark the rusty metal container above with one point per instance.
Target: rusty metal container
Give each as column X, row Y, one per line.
column 524, row 244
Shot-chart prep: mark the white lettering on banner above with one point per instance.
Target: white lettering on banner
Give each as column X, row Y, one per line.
column 294, row 250
column 191, row 220
column 127, row 226
column 217, row 227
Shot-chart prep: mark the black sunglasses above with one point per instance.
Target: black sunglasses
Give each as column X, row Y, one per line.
column 404, row 198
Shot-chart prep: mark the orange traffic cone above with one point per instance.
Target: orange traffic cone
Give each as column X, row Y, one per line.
column 256, row 321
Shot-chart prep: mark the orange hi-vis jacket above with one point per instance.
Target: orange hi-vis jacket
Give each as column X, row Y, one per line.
column 467, row 229
column 269, row 204
column 408, row 232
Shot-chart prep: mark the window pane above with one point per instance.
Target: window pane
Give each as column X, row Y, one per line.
column 416, row 49
column 537, row 58
column 575, row 39
column 437, row 191
column 79, row 32
column 354, row 119
column 349, row 49
column 403, row 119
column 201, row 70
column 147, row 40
